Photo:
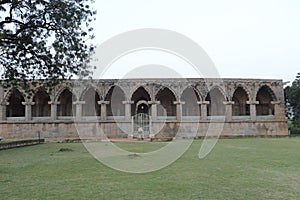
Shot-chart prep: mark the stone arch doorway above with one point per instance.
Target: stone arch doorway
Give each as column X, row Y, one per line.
column 216, row 106
column 140, row 100
column 91, row 106
column 190, row 107
column 240, row 106
column 167, row 108
column 265, row 96
column 141, row 120
column 41, row 108
column 15, row 107
column 115, row 97
column 66, row 108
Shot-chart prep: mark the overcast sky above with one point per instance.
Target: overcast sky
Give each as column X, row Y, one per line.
column 245, row 39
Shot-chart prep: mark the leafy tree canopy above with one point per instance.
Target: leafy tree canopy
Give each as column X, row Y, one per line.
column 45, row 39
column 292, row 94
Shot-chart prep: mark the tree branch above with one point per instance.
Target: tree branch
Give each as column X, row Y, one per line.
column 10, row 21
column 2, row 2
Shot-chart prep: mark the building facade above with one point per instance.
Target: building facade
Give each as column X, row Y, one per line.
column 156, row 107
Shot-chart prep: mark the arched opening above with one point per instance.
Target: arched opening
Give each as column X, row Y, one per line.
column 264, row 96
column 216, row 105
column 41, row 108
column 65, row 106
column 190, row 107
column 142, row 106
column 240, row 106
column 15, row 107
column 166, row 106
column 115, row 96
column 140, row 98
column 91, row 106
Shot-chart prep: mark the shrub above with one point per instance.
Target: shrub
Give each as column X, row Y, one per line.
column 294, row 131
column 20, row 143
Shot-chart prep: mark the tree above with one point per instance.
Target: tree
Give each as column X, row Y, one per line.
column 45, row 39
column 292, row 94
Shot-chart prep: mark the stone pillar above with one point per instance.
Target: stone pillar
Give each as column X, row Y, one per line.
column 228, row 105
column 103, row 104
column 53, row 109
column 203, row 109
column 179, row 109
column 28, row 115
column 277, row 109
column 3, row 110
column 153, row 109
column 78, row 108
column 252, row 109
column 3, row 104
column 127, row 109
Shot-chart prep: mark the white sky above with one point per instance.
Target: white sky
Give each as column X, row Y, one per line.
column 245, row 39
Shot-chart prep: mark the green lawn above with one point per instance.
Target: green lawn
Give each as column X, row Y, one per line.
column 253, row 168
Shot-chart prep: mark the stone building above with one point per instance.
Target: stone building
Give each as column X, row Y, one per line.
column 158, row 106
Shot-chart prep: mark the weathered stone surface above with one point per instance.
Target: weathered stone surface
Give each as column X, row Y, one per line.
column 258, row 108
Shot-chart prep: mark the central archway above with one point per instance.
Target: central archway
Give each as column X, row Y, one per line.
column 141, row 121
column 140, row 100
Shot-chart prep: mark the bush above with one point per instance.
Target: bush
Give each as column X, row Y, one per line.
column 161, row 139
column 294, row 131
column 65, row 149
column 20, row 143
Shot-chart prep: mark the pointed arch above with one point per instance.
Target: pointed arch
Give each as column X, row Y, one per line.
column 216, row 100
column 41, row 107
column 65, row 106
column 15, row 107
column 115, row 96
column 240, row 106
column 264, row 96
column 190, row 97
column 166, row 106
column 245, row 88
column 61, row 90
column 220, row 90
column 91, row 106
column 140, row 98
column 145, row 88
column 267, row 90
column 159, row 88
column 87, row 90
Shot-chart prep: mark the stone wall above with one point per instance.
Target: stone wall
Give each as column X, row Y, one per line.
column 258, row 108
column 94, row 130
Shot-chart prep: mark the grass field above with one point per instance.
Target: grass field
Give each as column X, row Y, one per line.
column 256, row 168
